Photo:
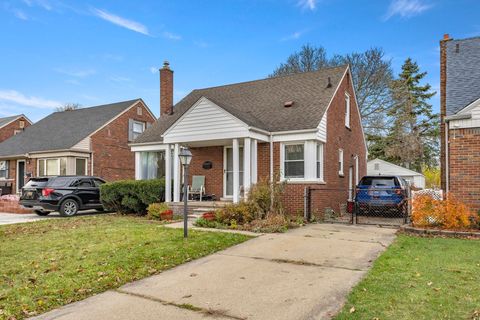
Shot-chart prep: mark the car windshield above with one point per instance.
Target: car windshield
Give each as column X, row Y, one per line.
column 59, row 182
column 36, row 183
column 379, row 182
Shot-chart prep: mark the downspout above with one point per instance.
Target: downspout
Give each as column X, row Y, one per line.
column 446, row 157
column 271, row 173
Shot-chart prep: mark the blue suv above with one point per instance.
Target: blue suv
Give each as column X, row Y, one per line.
column 381, row 195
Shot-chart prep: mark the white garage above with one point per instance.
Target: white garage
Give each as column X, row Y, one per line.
column 379, row 167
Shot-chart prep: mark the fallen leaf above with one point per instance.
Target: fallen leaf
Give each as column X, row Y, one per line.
column 430, row 283
column 352, row 309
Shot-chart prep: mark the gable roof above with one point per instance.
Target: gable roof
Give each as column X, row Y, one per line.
column 402, row 170
column 260, row 103
column 463, row 73
column 62, row 130
column 7, row 120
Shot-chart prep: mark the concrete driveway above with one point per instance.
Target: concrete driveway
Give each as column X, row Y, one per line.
column 12, row 218
column 303, row 274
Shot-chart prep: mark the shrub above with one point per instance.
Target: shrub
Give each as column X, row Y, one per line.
column 446, row 214
column 202, row 222
column 267, row 197
column 242, row 212
column 155, row 210
column 132, row 196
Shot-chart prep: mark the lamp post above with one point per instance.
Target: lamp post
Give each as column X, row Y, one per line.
column 185, row 157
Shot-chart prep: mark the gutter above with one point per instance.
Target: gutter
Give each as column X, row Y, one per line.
column 458, row 117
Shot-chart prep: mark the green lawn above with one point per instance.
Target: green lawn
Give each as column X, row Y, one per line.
column 50, row 263
column 420, row 278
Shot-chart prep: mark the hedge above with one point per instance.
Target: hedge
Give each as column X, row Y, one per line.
column 132, row 196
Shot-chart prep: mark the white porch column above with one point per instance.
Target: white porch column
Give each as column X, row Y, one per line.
column 236, row 171
column 176, row 173
column 254, row 161
column 247, row 165
column 168, row 174
column 138, row 174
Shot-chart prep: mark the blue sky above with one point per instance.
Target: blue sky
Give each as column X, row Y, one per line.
column 95, row 52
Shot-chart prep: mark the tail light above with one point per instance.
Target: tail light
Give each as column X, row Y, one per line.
column 47, row 191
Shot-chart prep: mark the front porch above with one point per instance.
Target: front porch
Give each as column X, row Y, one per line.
column 230, row 167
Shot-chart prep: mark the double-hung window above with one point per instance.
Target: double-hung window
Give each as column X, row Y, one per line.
column 81, row 166
column 347, row 110
column 4, row 169
column 340, row 162
column 319, row 161
column 294, row 161
column 138, row 128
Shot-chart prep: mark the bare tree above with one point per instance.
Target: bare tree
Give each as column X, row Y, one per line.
column 371, row 73
column 68, row 107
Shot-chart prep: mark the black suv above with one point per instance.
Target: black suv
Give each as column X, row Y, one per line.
column 66, row 194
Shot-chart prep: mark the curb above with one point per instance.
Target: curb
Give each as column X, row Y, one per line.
column 438, row 232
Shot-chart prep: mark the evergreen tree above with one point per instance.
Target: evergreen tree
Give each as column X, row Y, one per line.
column 412, row 140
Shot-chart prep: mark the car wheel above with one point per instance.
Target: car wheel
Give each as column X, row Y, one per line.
column 42, row 213
column 69, row 208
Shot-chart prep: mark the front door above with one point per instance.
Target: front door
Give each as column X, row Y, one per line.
column 20, row 175
column 228, row 171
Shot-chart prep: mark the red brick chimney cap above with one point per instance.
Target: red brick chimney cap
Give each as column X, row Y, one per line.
column 446, row 36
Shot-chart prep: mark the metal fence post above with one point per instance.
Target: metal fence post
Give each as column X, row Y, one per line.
column 306, row 204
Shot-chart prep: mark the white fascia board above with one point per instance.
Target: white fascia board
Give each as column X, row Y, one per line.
column 151, row 147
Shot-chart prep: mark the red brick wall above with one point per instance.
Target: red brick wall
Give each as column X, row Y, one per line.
column 214, row 176
column 464, row 165
column 335, row 191
column 9, row 130
column 112, row 158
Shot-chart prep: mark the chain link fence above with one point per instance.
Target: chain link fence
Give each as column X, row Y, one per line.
column 372, row 205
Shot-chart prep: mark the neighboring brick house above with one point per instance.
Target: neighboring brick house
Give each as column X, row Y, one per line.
column 303, row 128
column 460, row 118
column 13, row 125
column 87, row 141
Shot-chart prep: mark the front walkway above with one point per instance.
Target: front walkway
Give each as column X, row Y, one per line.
column 303, row 274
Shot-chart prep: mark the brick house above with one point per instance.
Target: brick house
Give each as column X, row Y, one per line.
column 13, row 125
column 460, row 118
column 87, row 141
column 303, row 128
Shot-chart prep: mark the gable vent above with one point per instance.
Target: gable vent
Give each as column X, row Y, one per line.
column 288, row 104
column 329, row 84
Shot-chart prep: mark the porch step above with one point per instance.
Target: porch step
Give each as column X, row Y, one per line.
column 198, row 212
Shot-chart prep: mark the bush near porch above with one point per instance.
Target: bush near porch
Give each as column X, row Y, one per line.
column 262, row 211
column 132, row 196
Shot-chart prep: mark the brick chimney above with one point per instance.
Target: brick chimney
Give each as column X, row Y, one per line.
column 166, row 89
column 443, row 107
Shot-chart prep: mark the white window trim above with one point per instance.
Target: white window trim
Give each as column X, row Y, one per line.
column 309, row 160
column 341, row 161
column 282, row 160
column 44, row 174
column 320, row 148
column 133, row 128
column 86, row 165
column 348, row 107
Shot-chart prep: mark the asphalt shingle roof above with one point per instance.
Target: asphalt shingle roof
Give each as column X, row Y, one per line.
column 463, row 73
column 260, row 103
column 62, row 130
column 4, row 121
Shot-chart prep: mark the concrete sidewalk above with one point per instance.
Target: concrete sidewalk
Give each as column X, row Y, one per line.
column 303, row 274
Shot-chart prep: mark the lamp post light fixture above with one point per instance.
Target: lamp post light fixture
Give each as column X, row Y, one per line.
column 185, row 157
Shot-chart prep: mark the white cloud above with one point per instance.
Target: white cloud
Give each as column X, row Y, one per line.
column 171, row 36
column 120, row 79
column 201, row 44
column 77, row 73
column 12, row 96
column 20, row 14
column 153, row 69
column 406, row 8
column 120, row 21
column 307, row 4
column 41, row 3
column 294, row 36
